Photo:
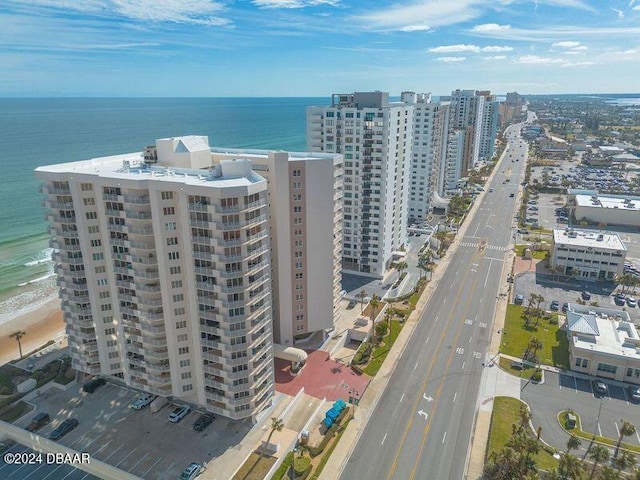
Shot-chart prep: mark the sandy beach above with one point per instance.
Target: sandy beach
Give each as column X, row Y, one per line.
column 40, row 326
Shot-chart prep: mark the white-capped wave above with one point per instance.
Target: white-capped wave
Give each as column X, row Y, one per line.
column 31, row 296
column 44, row 257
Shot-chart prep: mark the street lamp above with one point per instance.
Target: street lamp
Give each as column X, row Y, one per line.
column 354, row 398
column 293, row 463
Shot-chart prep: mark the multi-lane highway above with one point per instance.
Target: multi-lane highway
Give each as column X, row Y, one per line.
column 421, row 426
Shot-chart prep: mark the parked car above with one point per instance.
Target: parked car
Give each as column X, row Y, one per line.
column 511, row 195
column 142, row 401
column 179, row 413
column 203, row 421
column 619, row 299
column 634, row 393
column 565, row 307
column 631, row 302
column 64, row 428
column 92, row 385
column 601, row 387
column 39, row 421
column 519, row 300
column 586, row 295
column 555, row 305
column 191, row 472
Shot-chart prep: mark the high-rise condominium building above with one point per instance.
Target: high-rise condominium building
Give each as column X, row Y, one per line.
column 430, row 120
column 465, row 119
column 305, row 205
column 489, row 125
column 164, row 265
column 374, row 136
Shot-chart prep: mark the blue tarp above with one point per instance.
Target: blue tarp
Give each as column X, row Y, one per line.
column 327, row 422
column 339, row 405
column 333, row 413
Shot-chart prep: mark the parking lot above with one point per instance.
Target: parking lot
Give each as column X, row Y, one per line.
column 40, row 468
column 601, row 414
column 144, row 444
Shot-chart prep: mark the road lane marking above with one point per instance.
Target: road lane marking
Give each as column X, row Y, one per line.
column 599, row 430
column 463, row 364
column 383, row 439
column 424, row 414
column 416, row 366
column 427, row 398
column 402, row 397
column 454, row 396
column 638, row 436
column 450, row 286
column 427, row 340
column 444, row 437
column 617, row 429
column 444, row 301
column 470, row 338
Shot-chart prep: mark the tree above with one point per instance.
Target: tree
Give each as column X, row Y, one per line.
column 608, row 473
column 18, row 336
column 276, row 426
column 624, row 460
column 381, row 330
column 627, row 280
column 525, row 416
column 598, row 454
column 570, row 467
column 362, row 295
column 400, row 266
column 532, row 348
column 573, row 443
column 374, row 303
column 626, row 429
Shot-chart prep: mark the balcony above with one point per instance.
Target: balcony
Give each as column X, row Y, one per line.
column 150, row 274
column 148, row 288
column 138, row 215
column 50, row 190
column 59, row 232
column 149, row 260
column 139, row 230
column 137, row 200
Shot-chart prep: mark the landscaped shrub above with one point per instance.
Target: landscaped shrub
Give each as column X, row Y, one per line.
column 362, row 355
column 537, row 375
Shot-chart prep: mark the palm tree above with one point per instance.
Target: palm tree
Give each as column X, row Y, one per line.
column 626, row 280
column 375, row 303
column 276, row 425
column 573, row 443
column 400, row 266
column 608, row 473
column 532, row 348
column 626, row 430
column 570, row 466
column 18, row 335
column 598, row 454
column 525, row 416
column 362, row 295
column 625, row 459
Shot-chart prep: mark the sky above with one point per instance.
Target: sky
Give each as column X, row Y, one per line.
column 257, row 48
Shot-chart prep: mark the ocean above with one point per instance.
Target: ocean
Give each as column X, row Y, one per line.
column 38, row 132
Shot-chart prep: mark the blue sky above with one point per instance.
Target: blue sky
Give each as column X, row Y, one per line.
column 316, row 47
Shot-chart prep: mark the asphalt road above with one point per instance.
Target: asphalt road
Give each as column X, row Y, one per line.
column 421, row 427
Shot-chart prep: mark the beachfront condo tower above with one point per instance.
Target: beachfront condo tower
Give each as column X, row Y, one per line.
column 374, row 136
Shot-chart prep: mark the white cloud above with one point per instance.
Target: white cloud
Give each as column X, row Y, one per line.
column 455, row 48
column 497, row 48
column 451, row 59
column 637, row 7
column 490, row 27
column 566, row 44
column 293, row 3
column 619, row 12
column 469, row 48
column 416, row 28
column 435, row 13
column 537, row 60
column 495, row 57
column 174, row 11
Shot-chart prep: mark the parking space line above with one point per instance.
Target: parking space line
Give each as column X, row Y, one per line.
column 102, row 447
column 118, row 464
column 638, row 436
column 144, row 474
column 624, row 391
column 575, row 383
column 73, row 470
column 54, row 470
column 617, row 429
column 138, row 462
column 170, row 466
column 113, row 453
column 599, row 429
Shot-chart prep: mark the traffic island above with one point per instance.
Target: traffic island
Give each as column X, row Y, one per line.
column 566, row 421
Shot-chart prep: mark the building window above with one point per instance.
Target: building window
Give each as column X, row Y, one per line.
column 169, row 210
column 175, row 270
column 605, row 367
column 86, row 187
column 296, row 173
column 187, row 388
column 174, row 255
column 182, row 324
column 109, row 331
column 182, row 337
column 185, row 363
column 179, row 311
column 170, row 226
column 178, row 297
column 167, row 195
column 102, row 282
column 172, row 241
column 185, row 375
column 91, row 215
column 89, row 201
column 183, row 350
column 176, row 284
column 94, row 229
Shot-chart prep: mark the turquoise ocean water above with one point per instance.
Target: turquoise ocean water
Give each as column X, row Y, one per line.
column 36, row 132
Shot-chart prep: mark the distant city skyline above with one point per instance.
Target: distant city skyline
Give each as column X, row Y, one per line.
column 316, row 47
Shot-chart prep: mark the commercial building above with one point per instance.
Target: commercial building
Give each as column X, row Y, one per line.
column 430, row 120
column 165, row 261
column 592, row 207
column 374, row 135
column 587, row 254
column 603, row 342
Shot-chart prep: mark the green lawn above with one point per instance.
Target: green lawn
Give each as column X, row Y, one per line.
column 515, row 338
column 379, row 354
column 505, row 364
column 15, row 412
column 506, row 412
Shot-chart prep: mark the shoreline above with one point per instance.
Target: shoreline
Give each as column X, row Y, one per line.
column 42, row 324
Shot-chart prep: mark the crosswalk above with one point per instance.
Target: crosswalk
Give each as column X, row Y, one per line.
column 486, row 247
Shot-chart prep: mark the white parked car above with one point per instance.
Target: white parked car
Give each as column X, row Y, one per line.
column 179, row 413
column 632, row 302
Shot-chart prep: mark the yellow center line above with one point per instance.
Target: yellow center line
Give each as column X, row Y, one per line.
column 444, row 377
column 426, row 380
